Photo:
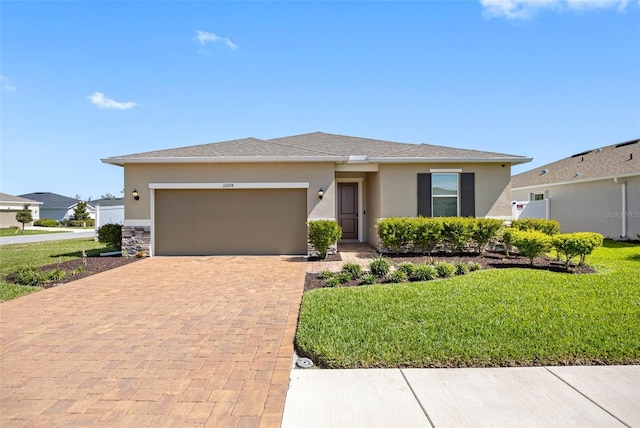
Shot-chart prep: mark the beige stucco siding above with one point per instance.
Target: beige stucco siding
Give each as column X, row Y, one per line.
column 399, row 188
column 594, row 206
column 318, row 175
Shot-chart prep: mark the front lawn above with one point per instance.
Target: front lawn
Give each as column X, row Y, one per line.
column 501, row 317
column 40, row 254
column 19, row 232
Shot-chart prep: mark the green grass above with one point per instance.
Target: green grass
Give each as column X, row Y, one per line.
column 41, row 254
column 499, row 317
column 12, row 232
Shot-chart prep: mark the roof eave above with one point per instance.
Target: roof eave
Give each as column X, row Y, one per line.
column 583, row 180
column 224, row 159
column 510, row 160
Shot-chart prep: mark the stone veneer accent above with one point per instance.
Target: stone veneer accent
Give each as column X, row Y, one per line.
column 136, row 239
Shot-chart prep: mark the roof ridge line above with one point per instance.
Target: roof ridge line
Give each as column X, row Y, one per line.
column 301, row 148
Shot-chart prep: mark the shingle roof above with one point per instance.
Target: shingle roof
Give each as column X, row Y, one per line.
column 317, row 146
column 621, row 159
column 5, row 197
column 51, row 200
column 111, row 202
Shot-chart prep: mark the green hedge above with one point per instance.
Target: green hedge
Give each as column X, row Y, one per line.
column 323, row 234
column 82, row 223
column 548, row 227
column 576, row 244
column 45, row 222
column 424, row 234
column 531, row 243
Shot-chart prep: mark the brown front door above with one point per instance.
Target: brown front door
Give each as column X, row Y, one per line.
column 348, row 209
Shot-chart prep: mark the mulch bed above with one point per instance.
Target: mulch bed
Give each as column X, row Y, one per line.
column 91, row 266
column 488, row 260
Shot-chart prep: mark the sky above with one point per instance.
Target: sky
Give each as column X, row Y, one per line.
column 86, row 80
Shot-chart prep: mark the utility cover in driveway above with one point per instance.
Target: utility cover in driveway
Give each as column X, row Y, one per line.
column 226, row 222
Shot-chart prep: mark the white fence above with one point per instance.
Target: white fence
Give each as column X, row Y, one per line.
column 106, row 215
column 530, row 209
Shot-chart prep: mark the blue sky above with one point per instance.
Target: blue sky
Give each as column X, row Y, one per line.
column 83, row 81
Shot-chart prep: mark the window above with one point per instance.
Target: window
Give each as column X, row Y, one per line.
column 444, row 193
column 537, row 196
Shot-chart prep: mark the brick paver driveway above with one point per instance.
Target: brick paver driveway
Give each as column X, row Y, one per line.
column 184, row 341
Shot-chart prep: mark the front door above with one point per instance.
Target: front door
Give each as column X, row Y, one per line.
column 348, row 209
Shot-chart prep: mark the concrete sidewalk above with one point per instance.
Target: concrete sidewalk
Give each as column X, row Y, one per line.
column 68, row 234
column 579, row 396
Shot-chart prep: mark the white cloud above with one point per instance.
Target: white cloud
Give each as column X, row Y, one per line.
column 5, row 84
column 523, row 9
column 98, row 99
column 205, row 37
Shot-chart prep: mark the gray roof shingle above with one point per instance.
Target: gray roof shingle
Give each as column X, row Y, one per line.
column 317, row 146
column 621, row 159
column 51, row 200
column 5, row 197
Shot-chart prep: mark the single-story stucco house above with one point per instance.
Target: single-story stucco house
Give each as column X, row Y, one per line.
column 596, row 190
column 253, row 196
column 57, row 207
column 9, row 207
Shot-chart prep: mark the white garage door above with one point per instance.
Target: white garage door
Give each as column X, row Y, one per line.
column 237, row 221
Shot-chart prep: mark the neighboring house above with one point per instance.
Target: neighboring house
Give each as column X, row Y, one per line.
column 253, row 196
column 9, row 207
column 57, row 207
column 597, row 190
column 109, row 210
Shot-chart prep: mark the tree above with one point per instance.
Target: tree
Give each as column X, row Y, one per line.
column 107, row 196
column 80, row 211
column 24, row 216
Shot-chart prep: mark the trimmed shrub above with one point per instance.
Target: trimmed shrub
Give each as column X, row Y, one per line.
column 548, row 227
column 461, row 268
column 323, row 234
column 352, row 269
column 407, row 268
column 456, row 232
column 395, row 232
column 426, row 233
column 424, row 272
column 531, row 243
column 82, row 223
column 368, row 279
column 474, row 266
column 397, row 276
column 111, row 234
column 45, row 222
column 380, row 267
column 484, row 231
column 581, row 244
column 507, row 239
column 444, row 269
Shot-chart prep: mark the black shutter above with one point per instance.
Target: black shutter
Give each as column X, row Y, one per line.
column 467, row 194
column 424, row 195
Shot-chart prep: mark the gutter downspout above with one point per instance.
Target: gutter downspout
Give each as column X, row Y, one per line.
column 624, row 207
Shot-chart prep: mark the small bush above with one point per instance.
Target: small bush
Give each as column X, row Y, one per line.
column 397, row 276
column 368, row 279
column 326, row 274
column 343, row 277
column 531, row 243
column 323, row 234
column 407, row 268
column 29, row 275
column 548, row 227
column 111, row 235
column 332, row 282
column 424, row 272
column 82, row 223
column 456, row 232
column 427, row 233
column 474, row 266
column 395, row 232
column 444, row 269
column 380, row 267
column 352, row 269
column 77, row 271
column 55, row 275
column 485, row 230
column 45, row 222
column 461, row 268
column 581, row 244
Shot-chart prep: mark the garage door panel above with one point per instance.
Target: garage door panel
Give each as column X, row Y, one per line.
column 238, row 221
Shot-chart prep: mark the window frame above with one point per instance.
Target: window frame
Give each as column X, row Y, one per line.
column 457, row 196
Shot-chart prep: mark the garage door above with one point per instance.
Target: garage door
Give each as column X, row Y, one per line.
column 238, row 221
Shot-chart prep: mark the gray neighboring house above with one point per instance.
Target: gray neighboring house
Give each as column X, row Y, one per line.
column 597, row 190
column 10, row 205
column 57, row 207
